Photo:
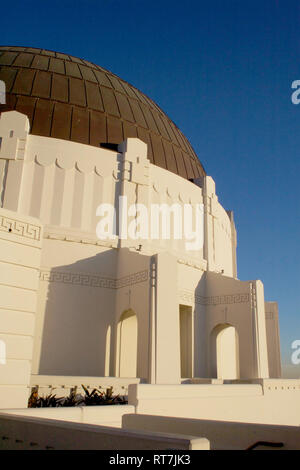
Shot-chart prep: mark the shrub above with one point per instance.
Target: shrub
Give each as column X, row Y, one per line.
column 94, row 398
column 97, row 397
column 48, row 401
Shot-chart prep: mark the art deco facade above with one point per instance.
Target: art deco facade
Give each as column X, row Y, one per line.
column 73, row 136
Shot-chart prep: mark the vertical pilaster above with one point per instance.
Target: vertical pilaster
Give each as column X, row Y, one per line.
column 166, row 331
column 134, row 175
column 14, row 129
column 210, row 200
column 233, row 244
column 260, row 335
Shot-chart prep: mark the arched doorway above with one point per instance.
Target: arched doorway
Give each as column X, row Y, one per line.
column 127, row 345
column 224, row 352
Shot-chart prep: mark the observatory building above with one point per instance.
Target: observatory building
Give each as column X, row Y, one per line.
column 76, row 139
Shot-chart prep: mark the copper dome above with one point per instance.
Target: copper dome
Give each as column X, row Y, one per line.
column 73, row 99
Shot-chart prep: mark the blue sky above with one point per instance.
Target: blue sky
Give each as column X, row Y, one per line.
column 222, row 70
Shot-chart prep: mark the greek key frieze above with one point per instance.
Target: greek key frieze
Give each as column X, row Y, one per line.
column 214, row 300
column 227, row 299
column 135, row 278
column 92, row 280
column 21, row 228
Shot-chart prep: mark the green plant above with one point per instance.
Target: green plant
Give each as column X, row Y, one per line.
column 94, row 398
column 110, row 399
column 34, row 396
column 48, row 401
column 97, row 397
column 72, row 399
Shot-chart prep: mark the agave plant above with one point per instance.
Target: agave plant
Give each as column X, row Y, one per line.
column 48, row 401
column 99, row 398
column 73, row 399
column 94, row 398
column 110, row 399
column 34, row 397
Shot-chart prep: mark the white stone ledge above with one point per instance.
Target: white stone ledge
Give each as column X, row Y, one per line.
column 189, row 391
column 223, row 435
column 20, row 432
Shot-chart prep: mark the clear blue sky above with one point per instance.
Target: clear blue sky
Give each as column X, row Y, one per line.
column 222, row 70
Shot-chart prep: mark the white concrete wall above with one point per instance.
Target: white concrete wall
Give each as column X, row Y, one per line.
column 273, row 339
column 87, row 284
column 221, row 434
column 266, row 402
column 20, row 248
column 240, row 304
column 220, row 236
column 133, row 293
column 166, row 344
column 100, row 415
column 61, row 385
column 75, row 305
column 168, row 188
column 62, row 183
column 22, row 432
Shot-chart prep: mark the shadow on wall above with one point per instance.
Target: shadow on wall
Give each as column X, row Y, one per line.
column 76, row 316
column 209, row 345
column 224, row 318
column 224, row 349
column 200, row 328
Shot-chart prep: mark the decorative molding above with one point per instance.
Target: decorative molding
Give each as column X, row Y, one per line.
column 70, row 236
column 92, row 280
column 79, row 279
column 253, row 296
column 226, row 299
column 174, row 195
column 191, row 297
column 68, row 161
column 155, row 186
column 202, row 265
column 132, row 279
column 20, row 227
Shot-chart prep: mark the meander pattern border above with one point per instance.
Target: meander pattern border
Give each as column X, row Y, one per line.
column 92, row 280
column 20, row 227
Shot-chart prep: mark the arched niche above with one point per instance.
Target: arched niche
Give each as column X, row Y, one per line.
column 127, row 331
column 224, row 352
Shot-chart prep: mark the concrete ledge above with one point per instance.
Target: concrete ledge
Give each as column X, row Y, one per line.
column 103, row 415
column 61, row 384
column 184, row 391
column 222, row 435
column 28, row 433
column 199, row 380
column 248, row 403
column 272, row 385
